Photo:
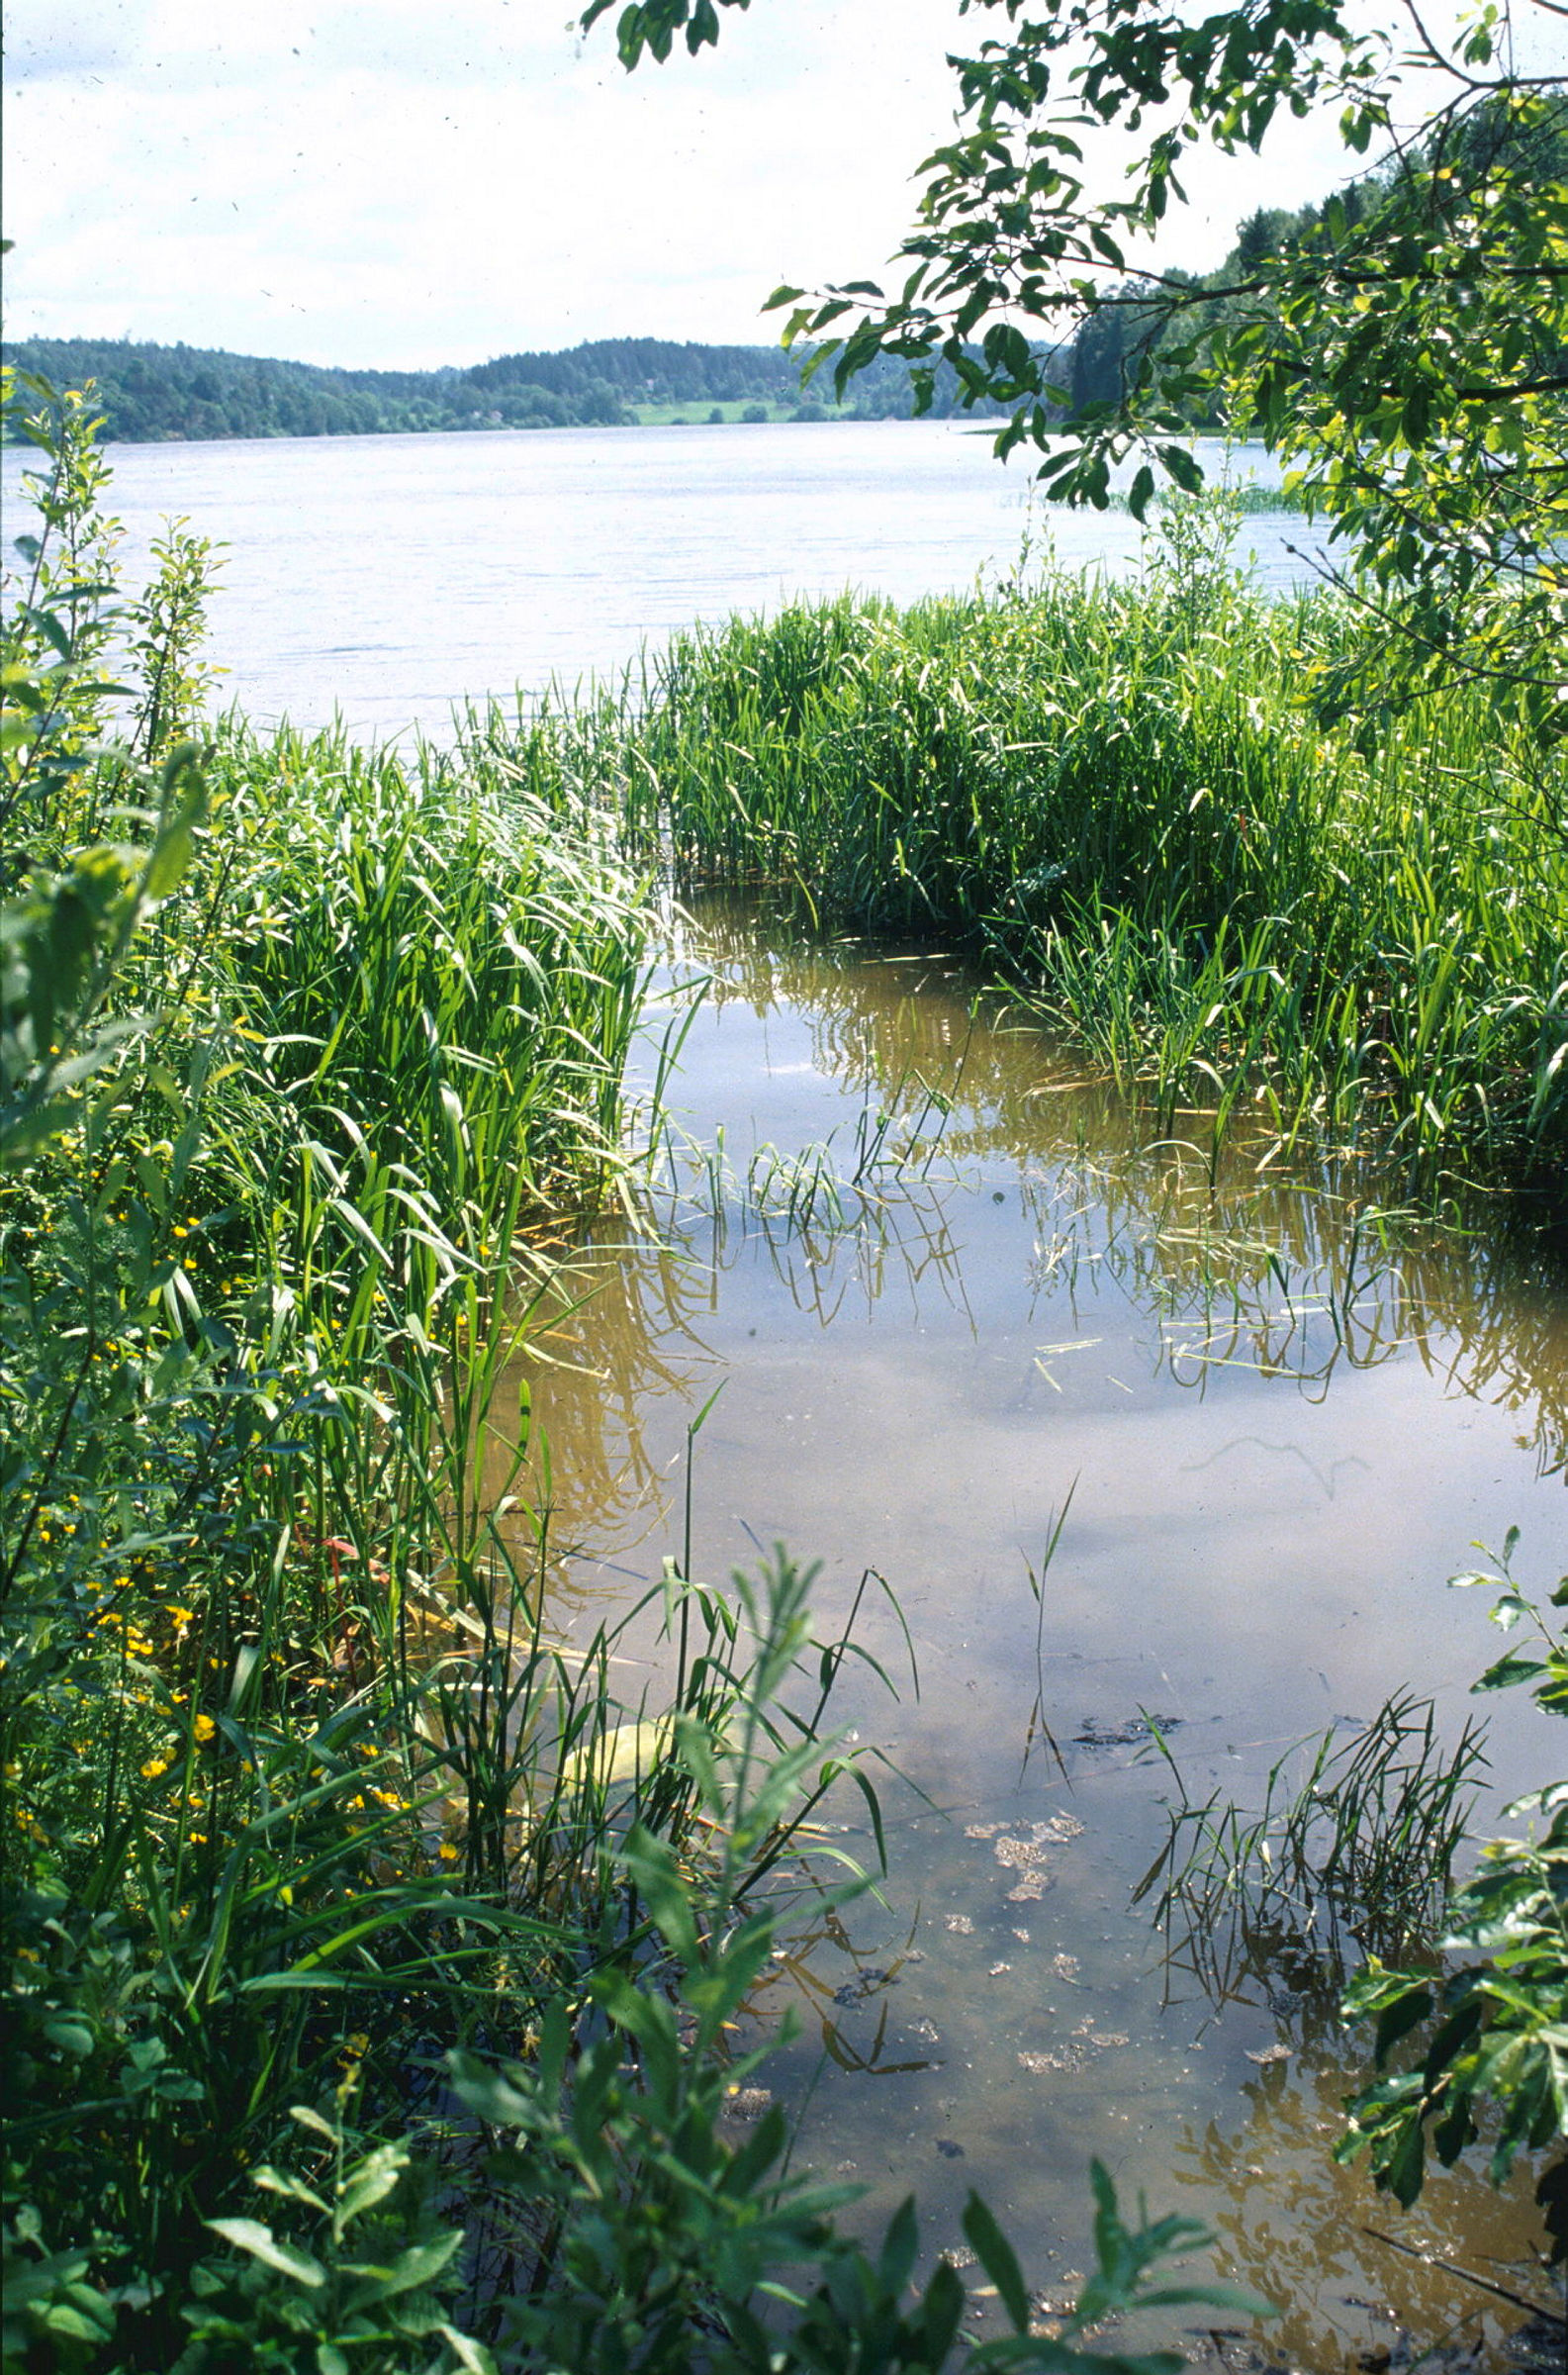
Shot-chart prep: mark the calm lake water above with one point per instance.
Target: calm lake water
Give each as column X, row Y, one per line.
column 387, row 578
column 1282, row 1418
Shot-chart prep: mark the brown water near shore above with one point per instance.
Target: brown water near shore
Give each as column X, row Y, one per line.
column 941, row 1285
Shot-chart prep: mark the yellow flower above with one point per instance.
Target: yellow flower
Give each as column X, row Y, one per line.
column 205, row 1727
column 446, row 1852
column 153, row 1767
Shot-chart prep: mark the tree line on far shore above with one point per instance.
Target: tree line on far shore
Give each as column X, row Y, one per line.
column 149, row 393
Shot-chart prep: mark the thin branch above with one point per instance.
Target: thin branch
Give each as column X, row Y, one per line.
column 1433, row 2259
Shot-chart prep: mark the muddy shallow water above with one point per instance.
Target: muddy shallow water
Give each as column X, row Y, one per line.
column 1283, row 1414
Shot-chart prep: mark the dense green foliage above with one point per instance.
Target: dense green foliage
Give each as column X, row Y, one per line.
column 1119, row 793
column 147, row 393
column 654, row 372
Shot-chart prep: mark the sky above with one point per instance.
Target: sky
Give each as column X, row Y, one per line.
column 408, row 183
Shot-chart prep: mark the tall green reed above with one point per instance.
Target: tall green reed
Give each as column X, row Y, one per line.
column 257, row 1298
column 1119, row 793
column 1351, row 1854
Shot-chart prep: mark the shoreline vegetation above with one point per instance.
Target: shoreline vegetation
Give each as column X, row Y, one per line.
column 1346, row 940
column 373, row 1967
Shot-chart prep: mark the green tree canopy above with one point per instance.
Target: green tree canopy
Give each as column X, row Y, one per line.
column 1406, row 356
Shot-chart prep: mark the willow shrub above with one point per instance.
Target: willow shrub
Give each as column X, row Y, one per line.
column 1119, row 793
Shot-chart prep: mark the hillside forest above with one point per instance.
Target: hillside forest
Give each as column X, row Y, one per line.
column 149, row 394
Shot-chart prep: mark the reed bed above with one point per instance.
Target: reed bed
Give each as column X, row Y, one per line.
column 303, row 1790
column 1119, row 795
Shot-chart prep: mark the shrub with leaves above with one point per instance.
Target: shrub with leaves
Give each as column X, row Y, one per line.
column 1492, row 2031
column 361, row 2294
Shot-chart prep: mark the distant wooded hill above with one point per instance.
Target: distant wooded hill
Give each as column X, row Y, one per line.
column 166, row 392
column 150, row 393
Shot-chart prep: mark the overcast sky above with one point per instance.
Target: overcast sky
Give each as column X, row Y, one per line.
column 414, row 183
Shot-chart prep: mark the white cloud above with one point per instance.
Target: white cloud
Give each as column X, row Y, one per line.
column 384, row 183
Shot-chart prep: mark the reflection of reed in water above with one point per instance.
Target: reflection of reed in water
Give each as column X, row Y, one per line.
column 882, row 1243
column 1298, row 1284
column 626, row 1343
column 626, row 1331
column 1295, row 1279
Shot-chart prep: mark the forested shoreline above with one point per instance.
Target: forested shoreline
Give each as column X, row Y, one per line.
column 149, row 394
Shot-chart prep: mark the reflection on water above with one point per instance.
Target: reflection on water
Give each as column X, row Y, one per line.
column 941, row 1286
column 1305, row 2233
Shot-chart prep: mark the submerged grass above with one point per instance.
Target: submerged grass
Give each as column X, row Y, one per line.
column 1118, row 794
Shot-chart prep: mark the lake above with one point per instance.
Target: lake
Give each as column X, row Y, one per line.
column 387, row 578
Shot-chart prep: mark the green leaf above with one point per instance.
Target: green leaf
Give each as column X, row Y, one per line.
column 419, row 2265
column 249, row 2234
column 472, row 2357
column 71, row 2036
column 942, row 2307
column 1400, row 2016
column 652, row 1864
column 1510, row 1670
column 1184, row 467
column 999, row 2260
column 371, row 2183
column 900, row 2244
column 1403, row 2171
